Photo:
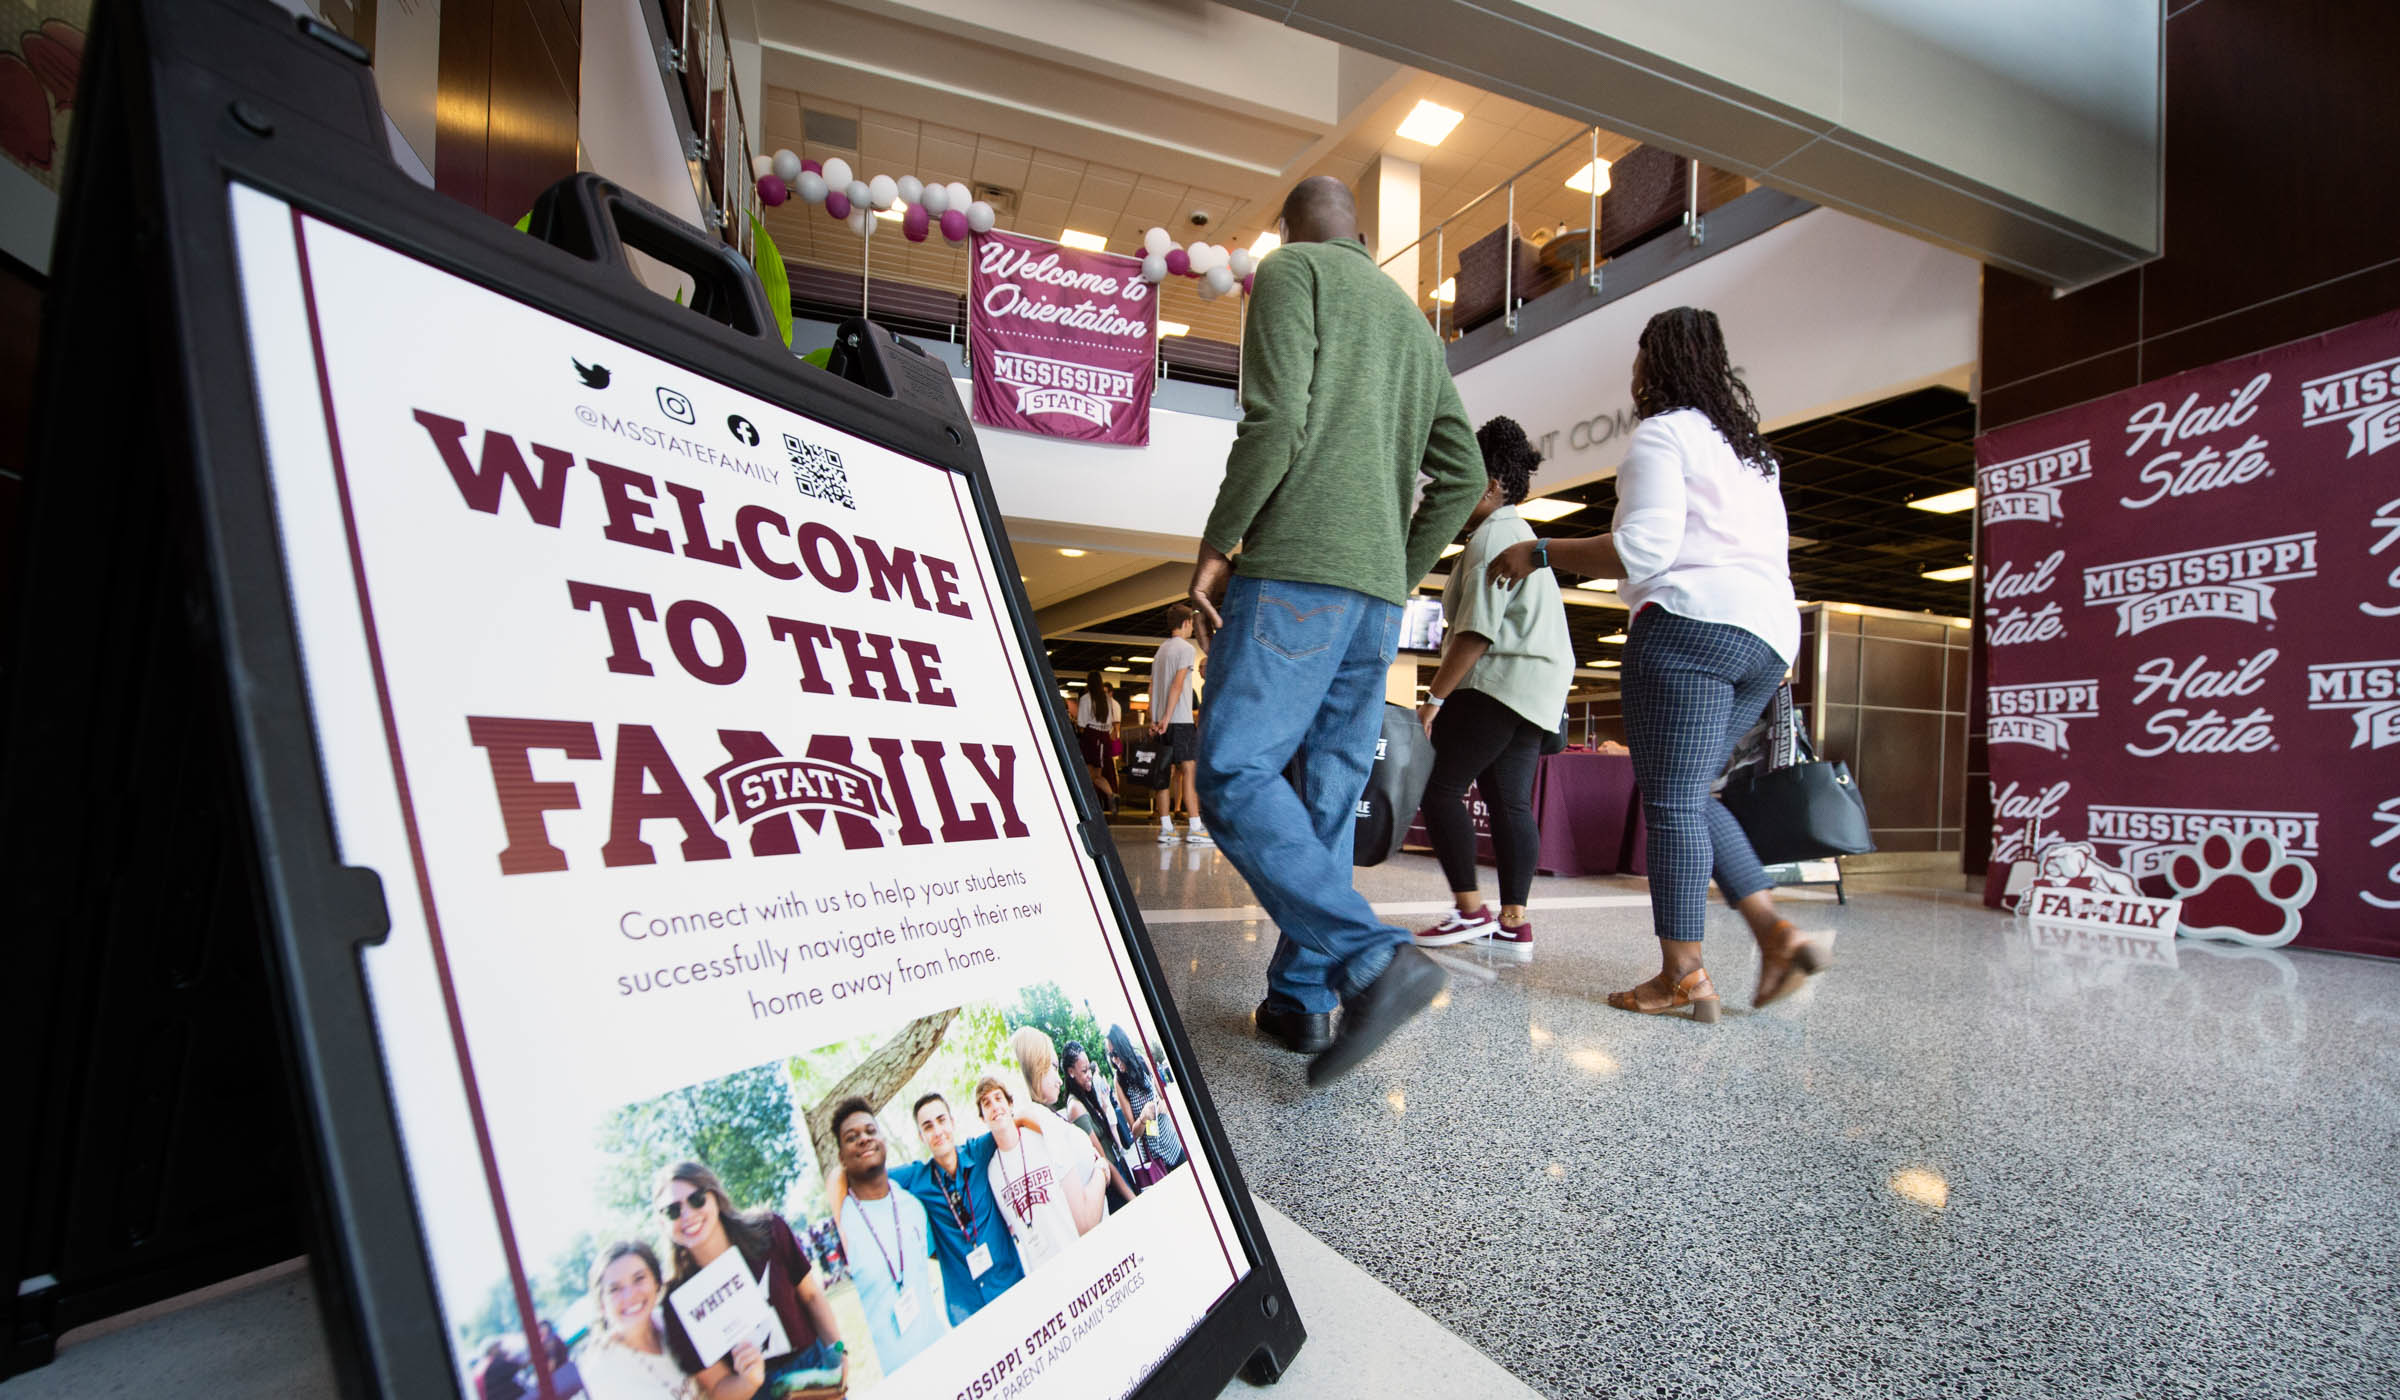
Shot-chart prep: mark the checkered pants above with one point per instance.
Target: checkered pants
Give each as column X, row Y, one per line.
column 1691, row 689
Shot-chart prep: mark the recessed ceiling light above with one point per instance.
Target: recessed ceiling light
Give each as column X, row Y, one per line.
column 1141, row 699
column 1958, row 573
column 1547, row 508
column 1088, row 242
column 1947, row 503
column 1166, row 328
column 1429, row 122
column 892, row 215
column 1599, row 585
column 1118, row 670
column 1072, row 553
column 1592, row 179
column 1453, row 548
column 1614, row 639
column 1264, row 244
column 1447, row 292
column 1607, row 664
column 1848, row 608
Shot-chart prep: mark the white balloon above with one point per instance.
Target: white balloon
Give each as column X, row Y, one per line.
column 960, row 195
column 910, row 188
column 858, row 193
column 787, row 165
column 1207, row 293
column 1241, row 262
column 882, row 190
column 981, row 217
column 936, row 200
column 1220, row 280
column 811, row 187
column 762, row 166
column 1154, row 267
column 1158, row 241
column 1204, row 256
column 863, row 223
column 837, row 173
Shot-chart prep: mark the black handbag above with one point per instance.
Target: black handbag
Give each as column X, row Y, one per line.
column 1801, row 807
column 1395, row 787
column 1146, row 762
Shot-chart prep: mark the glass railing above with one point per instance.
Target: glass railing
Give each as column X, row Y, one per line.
column 1557, row 223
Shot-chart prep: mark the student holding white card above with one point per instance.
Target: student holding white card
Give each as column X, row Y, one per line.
column 796, row 1345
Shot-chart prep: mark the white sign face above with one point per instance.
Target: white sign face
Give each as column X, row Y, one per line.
column 2106, row 911
column 695, row 751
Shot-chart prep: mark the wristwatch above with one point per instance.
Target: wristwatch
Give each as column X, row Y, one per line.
column 1541, row 554
column 1431, row 699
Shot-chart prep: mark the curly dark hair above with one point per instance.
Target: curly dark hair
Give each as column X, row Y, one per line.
column 1508, row 458
column 1684, row 365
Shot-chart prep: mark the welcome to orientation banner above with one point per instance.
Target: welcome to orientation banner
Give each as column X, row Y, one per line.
column 1061, row 341
column 2191, row 594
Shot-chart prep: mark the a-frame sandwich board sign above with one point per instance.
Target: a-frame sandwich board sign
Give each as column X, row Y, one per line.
column 643, row 744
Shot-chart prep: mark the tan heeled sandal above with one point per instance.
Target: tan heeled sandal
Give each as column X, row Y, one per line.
column 1781, row 975
column 1692, row 990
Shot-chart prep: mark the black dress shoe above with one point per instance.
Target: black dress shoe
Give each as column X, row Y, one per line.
column 1301, row 1032
column 1369, row 1018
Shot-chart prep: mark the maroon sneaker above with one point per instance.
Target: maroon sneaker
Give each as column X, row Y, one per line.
column 1458, row 928
column 1515, row 940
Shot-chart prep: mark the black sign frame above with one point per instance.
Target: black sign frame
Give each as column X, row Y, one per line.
column 185, row 99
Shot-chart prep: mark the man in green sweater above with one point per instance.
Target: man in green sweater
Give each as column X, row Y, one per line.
column 1346, row 403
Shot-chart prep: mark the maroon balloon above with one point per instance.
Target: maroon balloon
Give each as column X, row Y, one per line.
column 772, row 190
column 954, row 225
column 1179, row 262
column 814, row 168
column 916, row 223
column 837, row 204
column 1246, row 283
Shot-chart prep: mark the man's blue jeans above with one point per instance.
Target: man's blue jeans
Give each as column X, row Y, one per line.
column 1299, row 668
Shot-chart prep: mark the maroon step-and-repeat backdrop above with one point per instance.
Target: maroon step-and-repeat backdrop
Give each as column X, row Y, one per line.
column 2191, row 594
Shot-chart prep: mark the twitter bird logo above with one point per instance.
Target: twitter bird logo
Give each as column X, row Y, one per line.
column 594, row 376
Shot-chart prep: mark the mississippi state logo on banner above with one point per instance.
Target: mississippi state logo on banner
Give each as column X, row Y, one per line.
column 2191, row 609
column 1061, row 341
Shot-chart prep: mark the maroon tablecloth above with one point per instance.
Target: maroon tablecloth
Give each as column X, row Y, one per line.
column 1589, row 812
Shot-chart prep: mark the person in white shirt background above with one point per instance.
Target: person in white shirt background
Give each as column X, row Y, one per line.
column 1174, row 685
column 1702, row 544
column 1096, row 715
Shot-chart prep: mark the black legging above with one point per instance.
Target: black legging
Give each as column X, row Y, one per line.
column 1476, row 739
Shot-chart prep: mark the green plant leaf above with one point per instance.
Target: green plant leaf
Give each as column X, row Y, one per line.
column 772, row 277
column 525, row 222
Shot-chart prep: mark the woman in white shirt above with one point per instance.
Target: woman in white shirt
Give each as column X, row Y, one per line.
column 1701, row 543
column 1096, row 716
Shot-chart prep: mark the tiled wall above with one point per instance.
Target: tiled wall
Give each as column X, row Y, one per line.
column 1887, row 694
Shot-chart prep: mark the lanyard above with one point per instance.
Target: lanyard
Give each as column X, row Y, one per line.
column 899, row 1237
column 963, row 1214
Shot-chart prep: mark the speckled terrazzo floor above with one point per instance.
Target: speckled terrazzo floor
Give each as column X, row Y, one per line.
column 1956, row 1166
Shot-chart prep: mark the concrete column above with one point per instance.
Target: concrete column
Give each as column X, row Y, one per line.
column 1389, row 215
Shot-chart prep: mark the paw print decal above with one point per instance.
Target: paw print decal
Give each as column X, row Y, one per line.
column 2241, row 889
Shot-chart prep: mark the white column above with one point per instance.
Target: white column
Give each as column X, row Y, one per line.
column 1389, row 214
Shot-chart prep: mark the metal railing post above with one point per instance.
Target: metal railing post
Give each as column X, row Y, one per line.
column 1692, row 222
column 1508, row 262
column 1438, row 231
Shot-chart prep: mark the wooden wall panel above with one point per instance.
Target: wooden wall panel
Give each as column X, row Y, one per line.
column 510, row 85
column 2279, row 211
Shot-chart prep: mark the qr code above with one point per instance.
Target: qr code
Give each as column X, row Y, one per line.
column 818, row 472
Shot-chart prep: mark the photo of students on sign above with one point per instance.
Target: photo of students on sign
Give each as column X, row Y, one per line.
column 828, row 1247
